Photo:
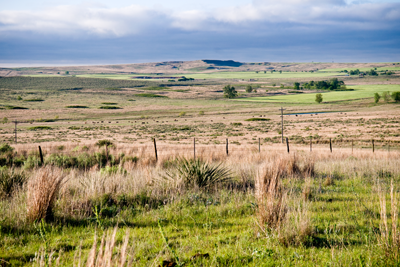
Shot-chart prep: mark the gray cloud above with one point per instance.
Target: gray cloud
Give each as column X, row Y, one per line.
column 264, row 30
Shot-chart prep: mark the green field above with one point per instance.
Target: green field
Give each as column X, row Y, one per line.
column 360, row 91
column 361, row 69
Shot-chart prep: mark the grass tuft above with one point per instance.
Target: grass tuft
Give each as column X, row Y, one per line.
column 43, row 188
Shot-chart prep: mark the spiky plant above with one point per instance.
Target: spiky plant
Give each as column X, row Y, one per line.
column 197, row 173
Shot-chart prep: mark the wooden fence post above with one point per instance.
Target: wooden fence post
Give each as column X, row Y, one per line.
column 106, row 154
column 259, row 145
column 310, row 143
column 352, row 146
column 287, row 144
column 155, row 149
column 227, row 151
column 194, row 148
column 389, row 146
column 41, row 155
column 330, row 144
column 373, row 146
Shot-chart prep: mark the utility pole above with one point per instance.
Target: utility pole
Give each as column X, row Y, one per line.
column 282, row 109
column 16, row 122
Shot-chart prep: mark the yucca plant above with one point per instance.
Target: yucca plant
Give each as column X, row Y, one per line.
column 197, row 173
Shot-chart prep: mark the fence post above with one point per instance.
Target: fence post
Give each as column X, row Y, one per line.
column 259, row 145
column 389, row 146
column 194, row 148
column 373, row 146
column 227, row 150
column 310, row 143
column 287, row 144
column 330, row 144
column 155, row 149
column 351, row 146
column 106, row 154
column 41, row 155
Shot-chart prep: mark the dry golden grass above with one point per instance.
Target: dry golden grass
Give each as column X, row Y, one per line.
column 42, row 190
column 99, row 256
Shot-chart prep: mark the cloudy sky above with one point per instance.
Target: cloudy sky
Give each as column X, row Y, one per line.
column 50, row 32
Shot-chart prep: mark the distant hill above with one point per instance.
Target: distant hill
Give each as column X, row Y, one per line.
column 223, row 63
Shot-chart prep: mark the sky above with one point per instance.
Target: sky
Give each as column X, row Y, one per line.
column 55, row 32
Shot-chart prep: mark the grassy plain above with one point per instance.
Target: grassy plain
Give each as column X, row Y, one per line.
column 334, row 213
column 359, row 92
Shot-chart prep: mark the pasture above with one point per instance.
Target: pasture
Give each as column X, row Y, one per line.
column 161, row 173
column 359, row 92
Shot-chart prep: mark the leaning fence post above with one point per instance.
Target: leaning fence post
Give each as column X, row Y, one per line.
column 41, row 155
column 259, row 145
column 330, row 144
column 373, row 146
column 227, row 151
column 155, row 148
column 287, row 144
column 194, row 148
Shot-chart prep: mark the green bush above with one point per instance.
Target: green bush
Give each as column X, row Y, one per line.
column 4, row 148
column 39, row 128
column 318, row 98
column 377, row 97
column 151, row 95
column 10, row 179
column 109, row 107
column 396, row 96
column 258, row 119
column 77, row 106
column 33, row 100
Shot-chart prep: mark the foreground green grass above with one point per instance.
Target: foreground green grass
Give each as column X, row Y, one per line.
column 360, row 91
column 345, row 219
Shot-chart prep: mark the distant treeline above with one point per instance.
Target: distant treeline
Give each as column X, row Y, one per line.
column 332, row 84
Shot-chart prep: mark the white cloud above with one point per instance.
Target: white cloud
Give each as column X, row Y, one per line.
column 134, row 19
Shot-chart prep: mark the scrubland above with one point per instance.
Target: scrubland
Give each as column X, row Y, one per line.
column 101, row 197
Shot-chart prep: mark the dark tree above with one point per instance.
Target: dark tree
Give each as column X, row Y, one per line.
column 230, row 92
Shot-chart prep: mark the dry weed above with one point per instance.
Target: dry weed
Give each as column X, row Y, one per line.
column 43, row 188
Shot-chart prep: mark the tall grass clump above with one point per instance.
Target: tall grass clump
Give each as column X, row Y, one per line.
column 389, row 237
column 278, row 212
column 43, row 188
column 197, row 173
column 271, row 198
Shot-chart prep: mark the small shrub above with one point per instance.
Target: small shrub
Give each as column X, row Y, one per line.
column 10, row 179
column 201, row 112
column 104, row 142
column 386, row 96
column 33, row 100
column 237, row 124
column 376, row 97
column 39, row 128
column 396, row 96
column 182, row 114
column 77, row 106
column 109, row 107
column 4, row 148
column 318, row 98
column 109, row 103
column 258, row 119
column 151, row 95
